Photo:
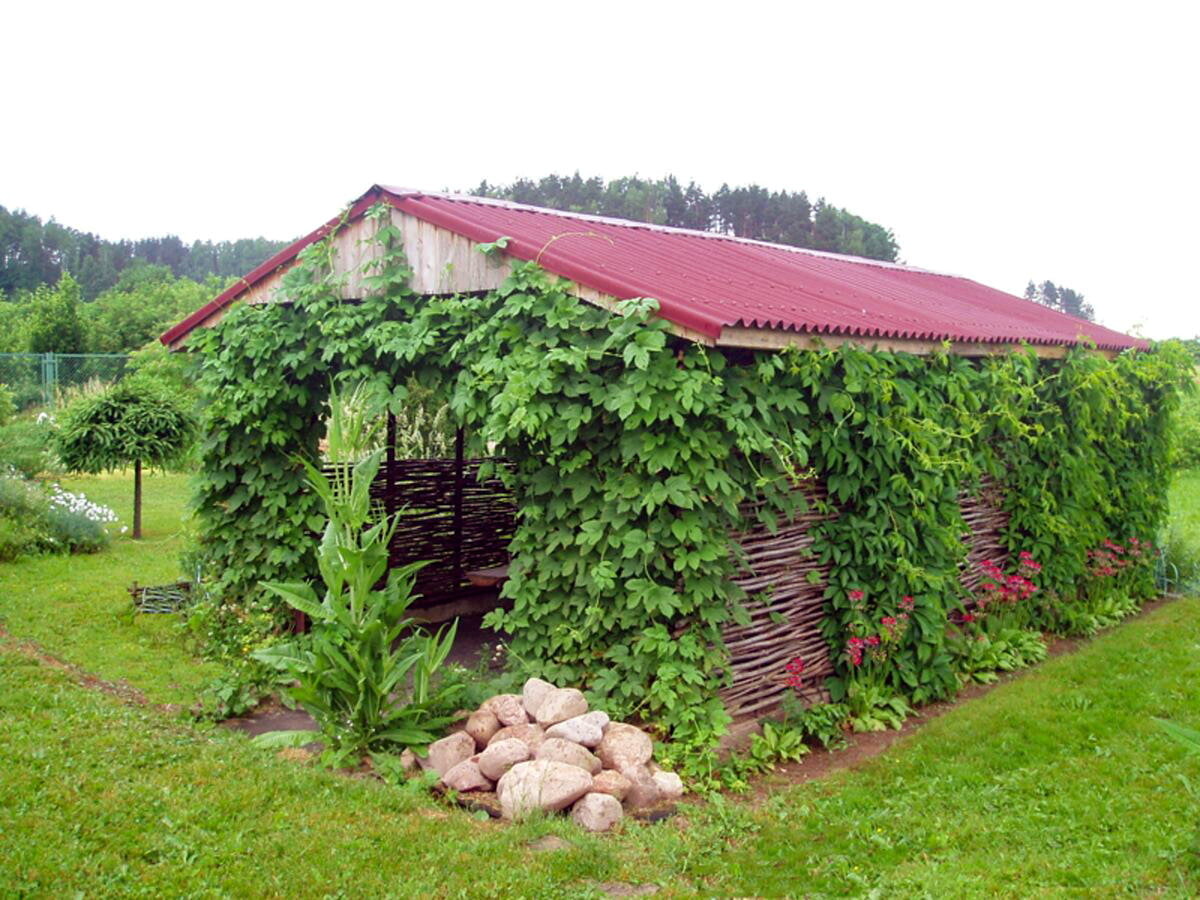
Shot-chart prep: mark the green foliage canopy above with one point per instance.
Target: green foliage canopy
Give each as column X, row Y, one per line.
column 131, row 422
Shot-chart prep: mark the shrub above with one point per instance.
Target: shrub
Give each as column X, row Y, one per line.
column 1187, row 432
column 16, row 538
column 75, row 523
column 35, row 519
column 24, row 445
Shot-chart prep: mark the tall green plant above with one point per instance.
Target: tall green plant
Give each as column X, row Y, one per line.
column 366, row 671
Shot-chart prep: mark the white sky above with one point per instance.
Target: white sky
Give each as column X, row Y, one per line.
column 1004, row 141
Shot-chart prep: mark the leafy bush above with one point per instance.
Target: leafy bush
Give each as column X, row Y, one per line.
column 25, row 446
column 823, row 723
column 16, row 538
column 980, row 655
column 76, row 523
column 35, row 519
column 363, row 651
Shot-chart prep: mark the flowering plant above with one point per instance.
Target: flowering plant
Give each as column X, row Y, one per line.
column 1001, row 599
column 871, row 643
column 993, row 632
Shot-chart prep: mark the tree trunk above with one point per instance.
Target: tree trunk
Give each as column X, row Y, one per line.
column 137, row 499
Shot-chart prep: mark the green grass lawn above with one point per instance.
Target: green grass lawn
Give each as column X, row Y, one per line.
column 1182, row 531
column 1055, row 783
column 78, row 607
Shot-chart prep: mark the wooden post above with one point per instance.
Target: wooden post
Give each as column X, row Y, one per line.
column 137, row 499
column 391, row 504
column 458, row 505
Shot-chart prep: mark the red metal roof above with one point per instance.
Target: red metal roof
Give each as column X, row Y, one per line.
column 708, row 282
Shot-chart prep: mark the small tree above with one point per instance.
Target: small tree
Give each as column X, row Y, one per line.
column 135, row 422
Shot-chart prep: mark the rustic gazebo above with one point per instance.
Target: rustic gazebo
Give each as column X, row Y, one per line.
column 729, row 293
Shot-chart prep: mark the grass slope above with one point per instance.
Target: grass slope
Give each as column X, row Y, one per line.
column 1055, row 783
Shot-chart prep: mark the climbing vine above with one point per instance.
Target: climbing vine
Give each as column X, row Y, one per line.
column 634, row 454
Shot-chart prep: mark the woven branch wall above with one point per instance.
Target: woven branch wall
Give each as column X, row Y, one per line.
column 455, row 523
column 986, row 521
column 785, row 588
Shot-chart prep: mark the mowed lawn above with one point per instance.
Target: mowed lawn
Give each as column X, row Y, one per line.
column 1055, row 783
column 79, row 608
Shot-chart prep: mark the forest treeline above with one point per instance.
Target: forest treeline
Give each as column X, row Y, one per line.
column 33, row 252
column 780, row 217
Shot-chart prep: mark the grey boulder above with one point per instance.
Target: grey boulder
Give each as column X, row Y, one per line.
column 570, row 753
column 482, row 725
column 466, row 776
column 532, row 694
column 447, row 753
column 532, row 735
column 508, row 708
column 624, row 747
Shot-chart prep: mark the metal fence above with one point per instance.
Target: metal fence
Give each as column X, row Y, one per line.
column 45, row 379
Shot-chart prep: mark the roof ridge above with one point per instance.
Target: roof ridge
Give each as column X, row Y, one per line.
column 416, row 193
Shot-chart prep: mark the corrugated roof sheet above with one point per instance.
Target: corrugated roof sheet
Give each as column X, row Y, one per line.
column 707, row 282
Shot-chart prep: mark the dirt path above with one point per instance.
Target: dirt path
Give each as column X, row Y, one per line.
column 122, row 690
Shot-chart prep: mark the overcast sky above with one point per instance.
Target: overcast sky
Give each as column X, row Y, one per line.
column 1002, row 141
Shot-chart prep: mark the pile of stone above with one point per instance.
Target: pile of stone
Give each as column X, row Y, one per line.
column 543, row 749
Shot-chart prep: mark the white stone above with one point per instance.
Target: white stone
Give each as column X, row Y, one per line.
column 447, row 753
column 540, row 784
column 624, row 747
column 597, row 812
column 587, row 729
column 570, row 753
column 508, row 708
column 466, row 776
column 533, row 693
column 559, row 705
column 669, row 784
column 500, row 756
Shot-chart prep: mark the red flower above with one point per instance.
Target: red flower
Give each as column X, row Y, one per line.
column 855, row 595
column 796, row 666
